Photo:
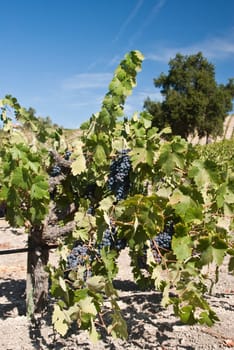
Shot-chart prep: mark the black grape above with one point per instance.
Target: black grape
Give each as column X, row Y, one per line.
column 78, row 256
column 162, row 242
column 55, row 171
column 159, row 245
column 67, row 155
column 111, row 240
column 119, row 181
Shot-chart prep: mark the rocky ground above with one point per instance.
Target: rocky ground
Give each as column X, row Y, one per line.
column 150, row 326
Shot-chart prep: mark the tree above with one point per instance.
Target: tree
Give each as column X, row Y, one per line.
column 193, row 101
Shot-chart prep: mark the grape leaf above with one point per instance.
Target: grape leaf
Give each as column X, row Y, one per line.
column 87, row 306
column 62, row 284
column 79, row 165
column 96, row 283
column 182, row 247
column 59, row 320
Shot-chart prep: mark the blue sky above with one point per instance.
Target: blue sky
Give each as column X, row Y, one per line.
column 58, row 56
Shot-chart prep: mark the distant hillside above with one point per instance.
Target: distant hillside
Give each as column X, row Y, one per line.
column 227, row 134
column 229, row 127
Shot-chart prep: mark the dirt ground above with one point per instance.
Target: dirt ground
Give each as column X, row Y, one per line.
column 150, row 326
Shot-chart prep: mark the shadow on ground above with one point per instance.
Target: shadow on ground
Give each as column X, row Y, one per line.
column 13, row 292
column 141, row 310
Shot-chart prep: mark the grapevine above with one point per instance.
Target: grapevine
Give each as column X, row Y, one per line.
column 121, row 183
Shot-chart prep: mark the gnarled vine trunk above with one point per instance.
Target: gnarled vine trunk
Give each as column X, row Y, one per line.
column 37, row 277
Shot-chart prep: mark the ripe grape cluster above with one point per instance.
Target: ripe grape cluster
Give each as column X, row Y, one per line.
column 80, row 256
column 111, row 240
column 159, row 245
column 119, row 181
column 162, row 242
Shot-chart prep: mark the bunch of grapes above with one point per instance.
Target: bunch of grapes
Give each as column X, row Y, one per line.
column 55, row 171
column 162, row 242
column 78, row 256
column 159, row 245
column 119, row 181
column 111, row 240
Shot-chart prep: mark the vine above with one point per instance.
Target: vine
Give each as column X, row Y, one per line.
column 67, row 192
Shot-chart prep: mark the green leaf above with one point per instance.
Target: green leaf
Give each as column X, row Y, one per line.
column 218, row 255
column 99, row 155
column 138, row 156
column 118, row 328
column 84, row 222
column 186, row 314
column 182, row 247
column 165, row 296
column 203, row 173
column 106, row 203
column 231, row 264
column 186, row 207
column 164, row 192
column 208, row 318
column 109, row 262
column 19, row 179
column 207, row 256
column 39, row 190
column 169, row 157
column 219, row 247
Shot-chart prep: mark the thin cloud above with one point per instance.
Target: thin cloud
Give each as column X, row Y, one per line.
column 114, row 60
column 148, row 19
column 129, row 19
column 214, row 48
column 87, row 81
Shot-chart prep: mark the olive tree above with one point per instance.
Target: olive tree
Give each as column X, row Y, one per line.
column 193, row 102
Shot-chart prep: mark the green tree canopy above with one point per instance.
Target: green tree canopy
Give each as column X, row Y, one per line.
column 192, row 100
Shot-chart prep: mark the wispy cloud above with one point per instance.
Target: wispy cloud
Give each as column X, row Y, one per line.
column 87, row 81
column 213, row 48
column 129, row 19
column 148, row 19
column 114, row 61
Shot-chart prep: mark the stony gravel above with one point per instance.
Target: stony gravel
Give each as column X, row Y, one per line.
column 150, row 326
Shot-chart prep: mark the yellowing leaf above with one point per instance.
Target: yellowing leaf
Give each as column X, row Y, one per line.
column 79, row 165
column 94, row 336
column 87, row 306
column 96, row 283
column 59, row 320
column 62, row 284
